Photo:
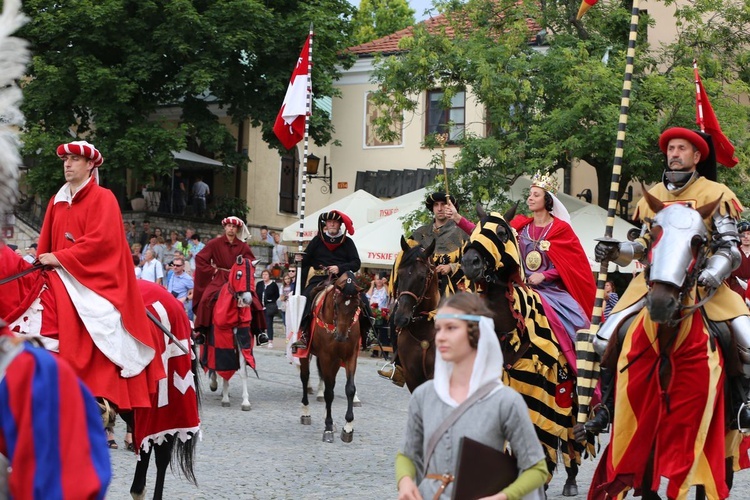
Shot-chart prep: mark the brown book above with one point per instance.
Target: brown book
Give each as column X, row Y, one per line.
column 482, row 470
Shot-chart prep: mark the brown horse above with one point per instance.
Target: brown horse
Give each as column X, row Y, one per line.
column 669, row 414
column 417, row 297
column 335, row 341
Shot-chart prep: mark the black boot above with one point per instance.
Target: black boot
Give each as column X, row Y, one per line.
column 301, row 344
column 603, row 412
column 743, row 410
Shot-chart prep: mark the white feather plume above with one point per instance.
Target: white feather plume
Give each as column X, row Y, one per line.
column 14, row 56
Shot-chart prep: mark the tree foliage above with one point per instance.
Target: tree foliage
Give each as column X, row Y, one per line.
column 103, row 69
column 378, row 18
column 545, row 106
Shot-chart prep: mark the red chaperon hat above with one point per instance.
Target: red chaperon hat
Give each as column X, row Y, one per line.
column 337, row 216
column 682, row 133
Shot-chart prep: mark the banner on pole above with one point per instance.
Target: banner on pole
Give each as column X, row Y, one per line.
column 290, row 122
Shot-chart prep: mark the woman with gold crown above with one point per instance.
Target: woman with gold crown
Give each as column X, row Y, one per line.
column 554, row 261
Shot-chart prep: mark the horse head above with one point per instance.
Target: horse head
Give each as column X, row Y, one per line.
column 679, row 244
column 415, row 283
column 492, row 254
column 241, row 281
column 346, row 304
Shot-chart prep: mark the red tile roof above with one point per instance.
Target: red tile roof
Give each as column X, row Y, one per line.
column 390, row 44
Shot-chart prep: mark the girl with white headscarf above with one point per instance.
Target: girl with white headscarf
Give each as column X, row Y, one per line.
column 468, row 358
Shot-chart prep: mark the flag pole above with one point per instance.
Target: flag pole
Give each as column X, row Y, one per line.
column 303, row 170
column 698, row 100
column 587, row 360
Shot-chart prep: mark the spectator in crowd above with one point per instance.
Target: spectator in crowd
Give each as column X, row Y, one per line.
column 378, row 292
column 145, row 235
column 195, row 245
column 130, row 234
column 200, row 193
column 268, row 291
column 610, row 298
column 181, row 283
column 155, row 247
column 30, row 256
column 152, row 269
column 159, row 234
column 179, row 192
column 136, row 250
column 265, row 236
column 137, row 264
column 279, row 254
column 287, row 289
column 15, row 249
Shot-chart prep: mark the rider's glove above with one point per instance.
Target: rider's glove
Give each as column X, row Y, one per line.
column 606, row 250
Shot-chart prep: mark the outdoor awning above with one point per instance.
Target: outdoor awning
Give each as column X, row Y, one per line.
column 191, row 157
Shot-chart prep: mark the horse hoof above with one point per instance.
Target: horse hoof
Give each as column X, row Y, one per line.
column 305, row 420
column 320, row 399
column 328, row 436
column 310, row 390
column 246, row 407
column 139, row 496
column 226, row 404
column 357, row 404
column 570, row 490
column 213, row 385
column 347, row 437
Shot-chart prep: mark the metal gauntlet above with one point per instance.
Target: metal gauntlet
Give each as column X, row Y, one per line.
column 726, row 257
column 629, row 251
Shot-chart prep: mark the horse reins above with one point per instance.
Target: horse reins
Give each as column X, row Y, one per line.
column 35, row 267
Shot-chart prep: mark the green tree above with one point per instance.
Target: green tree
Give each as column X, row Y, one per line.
column 103, row 69
column 378, row 18
column 547, row 105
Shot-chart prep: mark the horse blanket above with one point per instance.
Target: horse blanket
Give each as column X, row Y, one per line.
column 218, row 353
column 682, row 424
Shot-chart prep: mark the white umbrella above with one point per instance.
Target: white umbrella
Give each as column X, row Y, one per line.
column 588, row 223
column 379, row 242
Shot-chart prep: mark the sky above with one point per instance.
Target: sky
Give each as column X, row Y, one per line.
column 419, row 7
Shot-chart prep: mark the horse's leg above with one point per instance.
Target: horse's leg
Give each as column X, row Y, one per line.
column 138, row 486
column 304, row 375
column 356, row 401
column 213, row 384
column 347, row 433
column 647, row 491
column 321, row 387
column 571, row 487
column 225, row 393
column 163, row 455
column 329, row 378
column 243, row 376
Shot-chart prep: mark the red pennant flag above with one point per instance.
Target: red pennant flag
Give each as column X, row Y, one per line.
column 290, row 122
column 710, row 125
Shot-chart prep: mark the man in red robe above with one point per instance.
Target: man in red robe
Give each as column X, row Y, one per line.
column 106, row 336
column 212, row 265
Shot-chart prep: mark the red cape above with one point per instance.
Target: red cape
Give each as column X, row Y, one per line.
column 567, row 254
column 87, row 238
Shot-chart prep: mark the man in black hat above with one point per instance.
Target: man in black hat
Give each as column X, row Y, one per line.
column 449, row 240
column 330, row 252
column 689, row 178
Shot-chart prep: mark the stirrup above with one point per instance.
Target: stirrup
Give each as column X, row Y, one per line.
column 299, row 345
column 392, row 372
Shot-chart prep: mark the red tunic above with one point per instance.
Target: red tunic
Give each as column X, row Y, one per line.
column 212, row 265
column 569, row 259
column 86, row 237
column 742, row 272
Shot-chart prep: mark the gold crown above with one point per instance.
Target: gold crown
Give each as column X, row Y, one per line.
column 545, row 181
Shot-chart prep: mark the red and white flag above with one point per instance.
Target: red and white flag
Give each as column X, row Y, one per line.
column 708, row 123
column 290, row 122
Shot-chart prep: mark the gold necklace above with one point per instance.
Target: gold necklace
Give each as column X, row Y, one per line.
column 534, row 257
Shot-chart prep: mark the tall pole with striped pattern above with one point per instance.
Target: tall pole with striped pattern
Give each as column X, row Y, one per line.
column 303, row 170
column 587, row 360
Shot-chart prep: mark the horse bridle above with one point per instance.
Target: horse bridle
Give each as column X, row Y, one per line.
column 331, row 328
column 419, row 299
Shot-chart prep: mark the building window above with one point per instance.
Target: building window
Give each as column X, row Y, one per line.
column 288, row 184
column 372, row 113
column 441, row 119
